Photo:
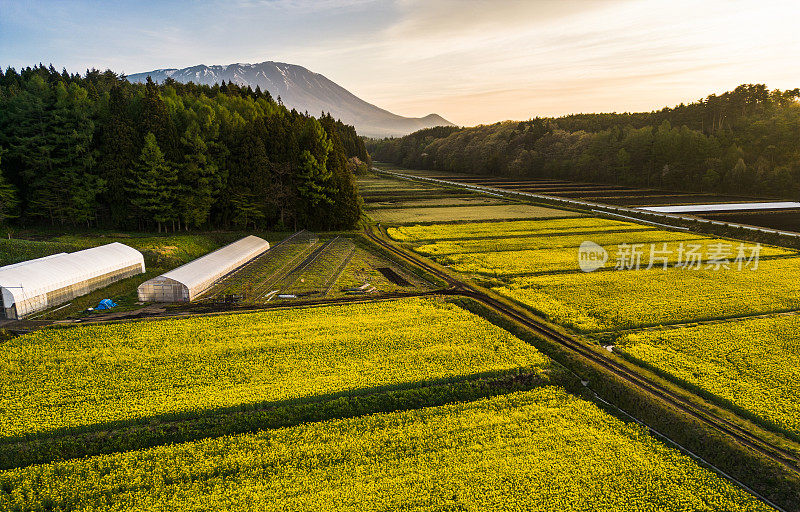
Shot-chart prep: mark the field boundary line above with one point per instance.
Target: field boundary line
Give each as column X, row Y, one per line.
column 339, row 271
column 699, row 323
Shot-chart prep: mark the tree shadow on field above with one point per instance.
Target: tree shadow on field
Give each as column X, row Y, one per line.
column 119, row 436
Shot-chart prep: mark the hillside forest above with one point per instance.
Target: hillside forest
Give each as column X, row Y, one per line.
column 746, row 141
column 97, row 151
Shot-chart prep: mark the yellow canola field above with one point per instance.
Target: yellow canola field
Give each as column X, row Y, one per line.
column 83, row 376
column 541, row 450
column 620, row 299
column 508, row 228
column 552, row 241
column 565, row 259
column 753, row 364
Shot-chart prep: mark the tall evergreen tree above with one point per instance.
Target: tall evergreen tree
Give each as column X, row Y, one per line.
column 118, row 149
column 199, row 179
column 151, row 185
column 8, row 198
column 315, row 187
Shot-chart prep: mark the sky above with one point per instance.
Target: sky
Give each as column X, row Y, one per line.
column 471, row 61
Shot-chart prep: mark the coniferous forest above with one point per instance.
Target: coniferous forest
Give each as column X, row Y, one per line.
column 98, row 151
column 745, row 141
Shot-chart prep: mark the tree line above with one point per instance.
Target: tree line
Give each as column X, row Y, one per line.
column 96, row 150
column 746, row 141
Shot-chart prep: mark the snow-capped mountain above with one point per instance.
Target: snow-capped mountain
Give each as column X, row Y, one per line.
column 304, row 90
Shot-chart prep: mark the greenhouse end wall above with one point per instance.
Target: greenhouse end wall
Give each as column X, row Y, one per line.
column 163, row 289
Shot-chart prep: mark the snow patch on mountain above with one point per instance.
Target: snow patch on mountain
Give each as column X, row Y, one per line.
column 303, row 90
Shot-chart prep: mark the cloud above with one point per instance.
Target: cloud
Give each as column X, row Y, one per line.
column 298, row 6
column 469, row 60
column 447, row 18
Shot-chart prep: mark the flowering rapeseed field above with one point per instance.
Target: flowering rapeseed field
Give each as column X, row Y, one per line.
column 508, row 228
column 540, row 450
column 753, row 364
column 564, row 259
column 82, row 376
column 500, row 243
column 628, row 299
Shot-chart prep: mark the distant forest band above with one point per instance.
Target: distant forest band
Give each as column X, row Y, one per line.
column 746, row 141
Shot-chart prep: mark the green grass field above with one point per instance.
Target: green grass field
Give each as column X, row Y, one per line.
column 536, row 450
column 16, row 250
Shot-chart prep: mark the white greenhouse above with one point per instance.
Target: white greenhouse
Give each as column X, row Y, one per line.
column 39, row 284
column 188, row 281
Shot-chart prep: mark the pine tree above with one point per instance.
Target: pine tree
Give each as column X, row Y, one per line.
column 118, row 152
column 199, row 179
column 8, row 199
column 151, row 184
column 74, row 156
column 315, row 187
column 155, row 118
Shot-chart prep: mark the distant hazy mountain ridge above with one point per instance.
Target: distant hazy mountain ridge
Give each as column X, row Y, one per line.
column 304, row 90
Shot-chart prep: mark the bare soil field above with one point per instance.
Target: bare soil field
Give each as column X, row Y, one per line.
column 783, row 220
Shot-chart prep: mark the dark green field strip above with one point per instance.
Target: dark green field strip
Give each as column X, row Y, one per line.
column 423, row 194
column 445, row 203
column 320, row 275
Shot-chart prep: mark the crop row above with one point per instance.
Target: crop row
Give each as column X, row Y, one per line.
column 71, row 379
column 437, row 203
column 634, row 298
column 536, row 450
column 753, row 364
column 440, row 232
column 550, row 240
column 467, row 213
column 256, row 279
column 320, row 273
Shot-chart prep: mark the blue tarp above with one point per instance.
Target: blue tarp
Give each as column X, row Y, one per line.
column 106, row 304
